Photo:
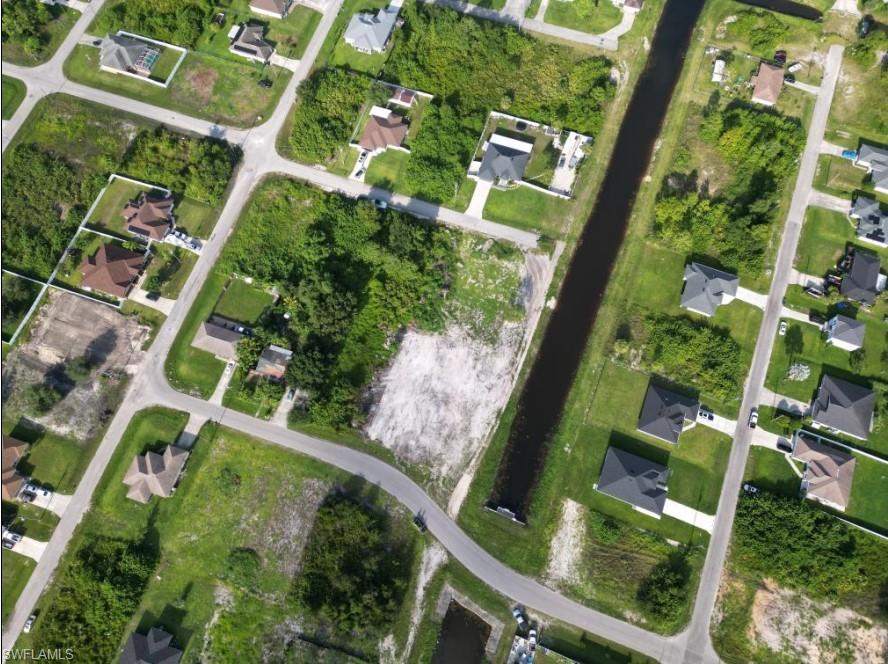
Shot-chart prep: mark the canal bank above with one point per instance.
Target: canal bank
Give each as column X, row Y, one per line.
column 542, row 400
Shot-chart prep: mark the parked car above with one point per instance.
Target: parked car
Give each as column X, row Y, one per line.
column 532, row 639
column 849, row 154
column 419, row 522
column 264, row 83
column 794, row 67
column 780, row 56
column 363, row 157
column 784, row 445
column 753, row 418
column 748, row 488
column 27, row 496
column 782, row 329
column 706, row 415
column 789, row 78
column 816, row 318
column 865, row 25
column 561, row 161
column 29, row 623
column 229, row 367
column 519, row 617
column 152, row 296
column 360, row 173
column 378, row 202
column 814, row 291
column 8, row 544
column 291, row 394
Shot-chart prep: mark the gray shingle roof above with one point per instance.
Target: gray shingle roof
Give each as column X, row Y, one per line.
column 847, row 329
column 705, row 288
column 861, row 280
column 634, row 480
column 249, row 39
column 153, row 648
column 216, row 339
column 501, row 162
column 872, row 222
column 664, row 412
column 876, row 159
column 367, row 31
column 121, row 52
column 844, row 406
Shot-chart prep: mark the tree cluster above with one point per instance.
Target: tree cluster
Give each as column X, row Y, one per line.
column 23, row 22
column 664, row 591
column 694, row 354
column 329, row 101
column 796, row 544
column 197, row 167
column 16, row 298
column 761, row 150
column 350, row 276
column 44, row 199
column 353, row 573
column 179, row 22
column 762, row 30
column 97, row 595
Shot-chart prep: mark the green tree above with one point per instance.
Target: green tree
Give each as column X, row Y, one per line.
column 794, row 341
column 41, row 398
column 664, row 591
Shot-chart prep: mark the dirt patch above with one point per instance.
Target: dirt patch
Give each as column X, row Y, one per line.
column 66, row 328
column 433, row 557
column 790, row 623
column 565, row 555
column 437, row 403
column 201, row 81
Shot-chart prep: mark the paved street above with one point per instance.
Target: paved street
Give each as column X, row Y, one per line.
column 698, row 643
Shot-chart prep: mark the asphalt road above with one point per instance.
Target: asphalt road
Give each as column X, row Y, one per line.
column 150, row 386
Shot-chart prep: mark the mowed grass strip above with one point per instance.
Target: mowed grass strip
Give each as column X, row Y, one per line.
column 13, row 93
column 243, row 302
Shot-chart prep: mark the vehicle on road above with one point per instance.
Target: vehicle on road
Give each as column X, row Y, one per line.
column 29, row 623
column 784, row 445
column 782, row 329
column 420, row 523
column 753, row 418
column 378, row 202
column 519, row 617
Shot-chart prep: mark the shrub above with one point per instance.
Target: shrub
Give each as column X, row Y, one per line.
column 41, row 398
column 664, row 591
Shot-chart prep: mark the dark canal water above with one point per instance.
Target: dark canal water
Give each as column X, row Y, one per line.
column 787, row 7
column 542, row 400
column 463, row 637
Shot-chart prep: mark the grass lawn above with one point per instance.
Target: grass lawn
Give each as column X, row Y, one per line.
column 839, row 177
column 236, row 492
column 147, row 316
column 107, row 216
column 386, row 170
column 17, row 570
column 770, row 470
column 14, row 92
column 260, row 405
column 206, row 86
column 595, row 16
column 165, row 64
column 51, row 37
column 26, row 292
column 172, row 265
column 188, row 369
column 869, row 494
column 523, row 207
column 825, row 235
column 195, row 218
column 34, row 522
column 863, row 113
column 292, row 35
column 243, row 302
column 52, row 460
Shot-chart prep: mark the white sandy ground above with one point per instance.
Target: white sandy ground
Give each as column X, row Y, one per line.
column 433, row 557
column 789, row 622
column 443, row 393
column 567, row 545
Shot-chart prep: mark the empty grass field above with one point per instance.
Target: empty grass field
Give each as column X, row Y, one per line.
column 523, row 207
column 14, row 92
column 243, row 302
column 594, row 16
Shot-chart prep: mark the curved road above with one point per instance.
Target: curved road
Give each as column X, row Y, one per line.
column 151, row 388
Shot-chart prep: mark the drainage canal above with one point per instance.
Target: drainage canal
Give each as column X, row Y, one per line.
column 542, row 399
column 787, row 7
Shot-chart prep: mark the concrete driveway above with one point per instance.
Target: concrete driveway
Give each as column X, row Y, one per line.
column 29, row 547
column 689, row 515
column 719, row 423
column 479, row 199
column 56, row 503
column 751, row 297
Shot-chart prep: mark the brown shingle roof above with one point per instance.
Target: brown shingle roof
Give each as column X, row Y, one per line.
column 383, row 132
column 768, row 83
column 149, row 216
column 112, row 269
column 272, row 6
column 154, row 474
column 13, row 450
column 829, row 472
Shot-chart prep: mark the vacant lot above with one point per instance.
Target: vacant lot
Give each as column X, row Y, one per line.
column 592, row 16
column 47, row 27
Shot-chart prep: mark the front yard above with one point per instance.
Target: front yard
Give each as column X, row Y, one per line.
column 594, row 16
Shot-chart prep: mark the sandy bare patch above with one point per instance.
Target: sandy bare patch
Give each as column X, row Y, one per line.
column 787, row 621
column 567, row 546
column 68, row 327
column 201, row 81
column 437, row 403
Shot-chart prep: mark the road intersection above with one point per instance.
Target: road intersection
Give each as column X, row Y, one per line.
column 260, row 159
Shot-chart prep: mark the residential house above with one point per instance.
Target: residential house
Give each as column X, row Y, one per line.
column 845, row 333
column 767, row 84
column 153, row 648
column 247, row 40
column 875, row 160
column 273, row 362
column 665, row 414
column 123, row 53
column 384, row 129
column 272, row 8
column 864, row 281
column 149, row 217
column 872, row 221
column 829, row 472
column 369, row 32
column 706, row 288
column 504, row 159
column 13, row 481
column 634, row 480
column 153, row 474
column 844, row 407
column 112, row 270
column 402, row 96
column 219, row 337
